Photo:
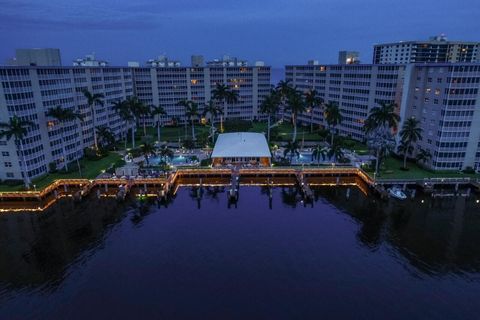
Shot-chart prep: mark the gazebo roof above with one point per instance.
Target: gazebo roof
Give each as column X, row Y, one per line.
column 241, row 144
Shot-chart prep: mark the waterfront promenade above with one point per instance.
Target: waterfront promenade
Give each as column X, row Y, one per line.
column 36, row 201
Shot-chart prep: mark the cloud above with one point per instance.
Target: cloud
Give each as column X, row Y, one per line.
column 58, row 16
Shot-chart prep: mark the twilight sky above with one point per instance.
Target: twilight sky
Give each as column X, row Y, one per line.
column 276, row 31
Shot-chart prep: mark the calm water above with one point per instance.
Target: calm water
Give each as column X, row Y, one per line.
column 340, row 258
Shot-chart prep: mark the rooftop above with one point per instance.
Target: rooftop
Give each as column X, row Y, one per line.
column 241, row 144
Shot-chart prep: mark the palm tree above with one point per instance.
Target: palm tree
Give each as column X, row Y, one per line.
column 158, row 112
column 18, row 129
column 93, row 100
column 291, row 149
column 381, row 121
column 144, row 111
column 63, row 115
column 164, row 152
column 105, row 136
column 212, row 111
column 423, row 155
column 185, row 104
column 383, row 142
column 404, row 149
column 333, row 116
column 319, row 152
column 410, row 133
column 369, row 125
column 72, row 115
column 296, row 105
column 191, row 112
column 336, row 152
column 312, row 100
column 384, row 116
column 136, row 108
column 224, row 95
column 270, row 107
column 284, row 89
column 147, row 150
column 123, row 110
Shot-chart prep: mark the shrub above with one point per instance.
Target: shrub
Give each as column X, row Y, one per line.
column 91, row 154
column 206, row 162
column 323, row 133
column 282, row 162
column 469, row 170
column 188, row 144
column 12, row 182
column 52, row 167
column 137, row 152
column 349, row 144
column 237, row 125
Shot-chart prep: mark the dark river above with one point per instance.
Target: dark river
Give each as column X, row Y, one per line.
column 355, row 258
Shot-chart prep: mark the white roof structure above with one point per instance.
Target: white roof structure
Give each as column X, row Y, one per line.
column 241, row 144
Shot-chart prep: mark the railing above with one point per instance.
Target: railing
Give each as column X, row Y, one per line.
column 172, row 177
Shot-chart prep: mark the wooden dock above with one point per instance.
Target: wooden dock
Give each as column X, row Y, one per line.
column 228, row 177
column 304, row 186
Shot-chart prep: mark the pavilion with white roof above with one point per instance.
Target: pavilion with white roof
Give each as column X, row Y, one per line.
column 241, row 148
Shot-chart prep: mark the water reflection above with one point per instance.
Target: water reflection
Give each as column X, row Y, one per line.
column 430, row 238
column 37, row 248
column 436, row 236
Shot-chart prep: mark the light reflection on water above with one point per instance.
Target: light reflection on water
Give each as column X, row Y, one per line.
column 200, row 256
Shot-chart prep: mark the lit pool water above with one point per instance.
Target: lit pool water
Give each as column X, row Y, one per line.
column 176, row 160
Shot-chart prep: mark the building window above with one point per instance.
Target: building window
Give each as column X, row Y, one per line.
column 10, row 175
column 8, row 164
column 5, row 153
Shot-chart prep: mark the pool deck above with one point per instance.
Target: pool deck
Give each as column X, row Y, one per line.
column 21, row 201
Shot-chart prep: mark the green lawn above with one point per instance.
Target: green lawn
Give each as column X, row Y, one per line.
column 90, row 170
column 357, row 146
column 170, row 134
column 282, row 132
column 390, row 169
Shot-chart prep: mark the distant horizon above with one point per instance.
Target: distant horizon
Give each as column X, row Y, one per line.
column 279, row 32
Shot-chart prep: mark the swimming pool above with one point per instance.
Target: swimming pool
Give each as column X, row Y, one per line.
column 307, row 158
column 176, row 160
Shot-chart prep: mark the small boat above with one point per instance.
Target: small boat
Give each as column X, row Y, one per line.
column 397, row 193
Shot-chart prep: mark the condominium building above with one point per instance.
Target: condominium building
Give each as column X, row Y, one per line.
column 227, row 61
column 435, row 50
column 37, row 57
column 348, row 57
column 167, row 86
column 444, row 97
column 197, row 61
column 162, row 61
column 356, row 88
column 28, row 93
column 89, row 61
